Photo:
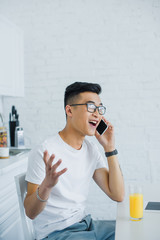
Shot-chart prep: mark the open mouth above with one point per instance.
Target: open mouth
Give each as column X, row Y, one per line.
column 93, row 123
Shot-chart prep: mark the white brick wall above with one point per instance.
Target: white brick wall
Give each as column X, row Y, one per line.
column 115, row 43
column 1, row 105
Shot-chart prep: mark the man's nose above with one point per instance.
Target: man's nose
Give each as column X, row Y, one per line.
column 96, row 113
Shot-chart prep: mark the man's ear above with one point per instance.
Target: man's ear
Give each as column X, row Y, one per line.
column 68, row 110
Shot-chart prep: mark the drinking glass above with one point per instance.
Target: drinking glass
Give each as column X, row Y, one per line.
column 136, row 203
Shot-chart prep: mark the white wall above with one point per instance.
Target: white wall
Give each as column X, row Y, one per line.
column 114, row 43
column 1, row 105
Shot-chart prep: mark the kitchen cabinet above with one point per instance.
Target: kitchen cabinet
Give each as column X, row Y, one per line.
column 11, row 59
column 10, row 220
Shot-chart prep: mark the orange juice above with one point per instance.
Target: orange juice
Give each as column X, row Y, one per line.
column 136, row 206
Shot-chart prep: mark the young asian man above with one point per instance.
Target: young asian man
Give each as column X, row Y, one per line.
column 61, row 168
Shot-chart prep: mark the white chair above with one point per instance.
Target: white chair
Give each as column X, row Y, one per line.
column 21, row 186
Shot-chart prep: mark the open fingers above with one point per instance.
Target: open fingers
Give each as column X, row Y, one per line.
column 48, row 159
column 48, row 162
column 55, row 166
column 45, row 157
column 61, row 172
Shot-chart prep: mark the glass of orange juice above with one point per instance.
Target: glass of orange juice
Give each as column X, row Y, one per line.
column 136, row 203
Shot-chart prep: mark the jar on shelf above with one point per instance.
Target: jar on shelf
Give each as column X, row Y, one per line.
column 3, row 137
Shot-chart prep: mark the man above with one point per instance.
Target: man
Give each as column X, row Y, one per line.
column 61, row 168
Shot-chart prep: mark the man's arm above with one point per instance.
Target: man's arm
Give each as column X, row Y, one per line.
column 34, row 206
column 110, row 181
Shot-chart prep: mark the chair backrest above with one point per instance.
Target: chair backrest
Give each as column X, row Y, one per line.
column 27, row 225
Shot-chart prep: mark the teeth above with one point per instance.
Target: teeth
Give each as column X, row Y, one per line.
column 94, row 122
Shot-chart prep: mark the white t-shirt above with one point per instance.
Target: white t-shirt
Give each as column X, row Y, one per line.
column 66, row 203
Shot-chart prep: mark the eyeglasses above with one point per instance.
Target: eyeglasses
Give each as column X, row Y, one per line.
column 91, row 107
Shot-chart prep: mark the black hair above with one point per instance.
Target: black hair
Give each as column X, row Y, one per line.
column 78, row 87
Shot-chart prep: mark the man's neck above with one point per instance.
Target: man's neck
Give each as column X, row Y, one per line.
column 72, row 138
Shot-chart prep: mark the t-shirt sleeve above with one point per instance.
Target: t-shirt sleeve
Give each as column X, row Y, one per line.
column 36, row 167
column 100, row 161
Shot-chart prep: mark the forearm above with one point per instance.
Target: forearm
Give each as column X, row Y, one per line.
column 33, row 206
column 116, row 182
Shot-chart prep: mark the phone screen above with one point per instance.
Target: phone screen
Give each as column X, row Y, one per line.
column 102, row 127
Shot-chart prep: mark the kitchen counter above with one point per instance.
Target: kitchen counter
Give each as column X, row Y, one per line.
column 9, row 164
column 10, row 220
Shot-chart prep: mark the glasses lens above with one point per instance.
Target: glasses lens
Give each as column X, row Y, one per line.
column 91, row 107
column 102, row 110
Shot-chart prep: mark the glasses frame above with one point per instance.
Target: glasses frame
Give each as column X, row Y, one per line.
column 87, row 104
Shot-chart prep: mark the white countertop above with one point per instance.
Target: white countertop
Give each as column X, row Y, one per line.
column 12, row 162
column 146, row 229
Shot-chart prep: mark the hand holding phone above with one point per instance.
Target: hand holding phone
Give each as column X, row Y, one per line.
column 102, row 127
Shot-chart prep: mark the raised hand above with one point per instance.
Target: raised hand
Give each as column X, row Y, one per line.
column 52, row 175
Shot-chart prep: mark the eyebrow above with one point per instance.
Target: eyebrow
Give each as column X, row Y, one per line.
column 93, row 102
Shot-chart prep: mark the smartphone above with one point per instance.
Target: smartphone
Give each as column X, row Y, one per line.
column 102, row 127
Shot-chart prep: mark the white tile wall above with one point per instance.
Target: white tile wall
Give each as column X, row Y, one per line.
column 115, row 43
